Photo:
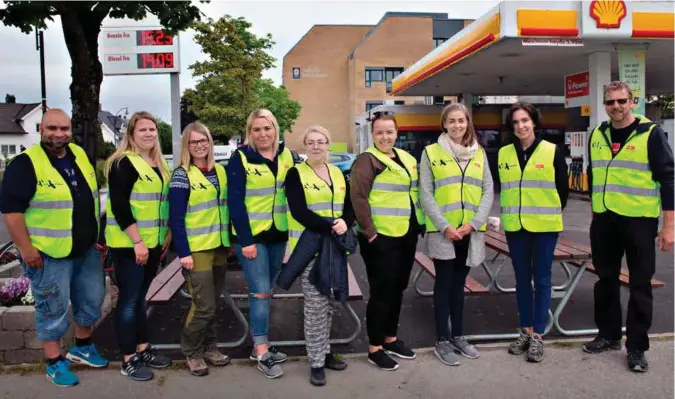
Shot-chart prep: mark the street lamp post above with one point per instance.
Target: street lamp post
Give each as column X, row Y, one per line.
column 40, row 45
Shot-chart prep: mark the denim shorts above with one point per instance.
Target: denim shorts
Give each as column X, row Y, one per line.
column 79, row 280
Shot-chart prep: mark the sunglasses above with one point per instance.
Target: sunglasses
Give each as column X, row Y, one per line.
column 621, row 101
column 378, row 114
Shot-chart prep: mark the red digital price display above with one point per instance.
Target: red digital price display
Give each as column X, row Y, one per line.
column 155, row 60
column 153, row 38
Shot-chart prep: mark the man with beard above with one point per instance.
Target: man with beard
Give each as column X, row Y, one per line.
column 631, row 174
column 50, row 205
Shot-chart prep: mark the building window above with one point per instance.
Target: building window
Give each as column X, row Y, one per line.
column 37, row 127
column 400, row 102
column 438, row 41
column 8, row 149
column 390, row 74
column 374, row 75
column 438, row 100
column 372, row 104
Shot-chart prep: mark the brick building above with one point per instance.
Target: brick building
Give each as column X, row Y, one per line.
column 337, row 72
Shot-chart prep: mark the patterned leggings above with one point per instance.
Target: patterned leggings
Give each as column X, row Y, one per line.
column 318, row 318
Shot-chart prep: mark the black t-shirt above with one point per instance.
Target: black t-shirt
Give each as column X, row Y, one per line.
column 414, row 226
column 619, row 136
column 19, row 186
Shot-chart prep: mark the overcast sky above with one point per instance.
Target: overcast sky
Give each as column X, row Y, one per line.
column 287, row 21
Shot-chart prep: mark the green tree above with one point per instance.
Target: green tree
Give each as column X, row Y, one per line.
column 165, row 137
column 276, row 99
column 81, row 22
column 10, row 98
column 226, row 90
column 665, row 102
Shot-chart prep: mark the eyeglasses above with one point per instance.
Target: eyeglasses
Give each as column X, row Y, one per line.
column 379, row 114
column 202, row 142
column 621, row 101
column 316, row 143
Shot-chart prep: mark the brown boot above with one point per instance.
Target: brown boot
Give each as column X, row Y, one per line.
column 216, row 358
column 197, row 367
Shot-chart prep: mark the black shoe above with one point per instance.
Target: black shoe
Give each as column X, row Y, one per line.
column 382, row 360
column 317, row 376
column 154, row 359
column 637, row 361
column 600, row 344
column 398, row 348
column 136, row 370
column 333, row 363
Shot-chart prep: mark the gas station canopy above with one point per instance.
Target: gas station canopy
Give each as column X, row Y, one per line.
column 527, row 47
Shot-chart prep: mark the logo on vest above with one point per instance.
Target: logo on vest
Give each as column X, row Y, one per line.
column 254, row 171
column 505, row 166
column 145, row 177
column 630, row 147
column 615, row 147
column 308, row 186
column 342, row 188
column 200, row 187
column 49, row 184
column 477, row 164
column 539, row 166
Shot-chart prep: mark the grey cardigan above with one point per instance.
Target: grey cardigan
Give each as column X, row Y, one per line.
column 436, row 245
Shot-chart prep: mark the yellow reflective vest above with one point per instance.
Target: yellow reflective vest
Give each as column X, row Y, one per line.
column 207, row 218
column 49, row 217
column 529, row 199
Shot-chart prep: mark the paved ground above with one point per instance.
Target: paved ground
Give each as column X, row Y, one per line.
column 566, row 372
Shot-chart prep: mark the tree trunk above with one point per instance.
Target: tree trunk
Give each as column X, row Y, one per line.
column 81, row 28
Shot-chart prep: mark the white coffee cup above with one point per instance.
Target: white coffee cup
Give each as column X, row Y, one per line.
column 493, row 223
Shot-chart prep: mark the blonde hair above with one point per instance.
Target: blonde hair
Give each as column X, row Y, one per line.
column 129, row 145
column 266, row 114
column 185, row 157
column 470, row 135
column 317, row 129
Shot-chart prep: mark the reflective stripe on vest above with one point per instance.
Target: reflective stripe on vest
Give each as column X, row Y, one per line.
column 49, row 217
column 457, row 193
column 265, row 197
column 392, row 191
column 624, row 183
column 149, row 206
column 207, row 217
column 321, row 199
column 529, row 198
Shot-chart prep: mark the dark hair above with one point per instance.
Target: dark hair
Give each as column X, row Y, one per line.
column 382, row 116
column 533, row 112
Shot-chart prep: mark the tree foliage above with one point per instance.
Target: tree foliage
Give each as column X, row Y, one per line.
column 225, row 93
column 81, row 22
column 10, row 98
column 165, row 138
column 277, row 100
column 665, row 102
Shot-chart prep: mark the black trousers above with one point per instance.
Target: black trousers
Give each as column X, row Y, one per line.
column 389, row 261
column 613, row 235
column 449, row 292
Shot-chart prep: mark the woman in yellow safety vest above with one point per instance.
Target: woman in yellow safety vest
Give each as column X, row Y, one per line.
column 385, row 196
column 257, row 204
column 534, row 187
column 318, row 201
column 457, row 193
column 199, row 224
column 137, row 234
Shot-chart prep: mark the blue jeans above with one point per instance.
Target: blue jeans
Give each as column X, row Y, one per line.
column 532, row 257
column 79, row 280
column 261, row 273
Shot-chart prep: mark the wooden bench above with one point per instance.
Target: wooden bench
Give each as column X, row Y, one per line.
column 166, row 283
column 623, row 277
column 471, row 287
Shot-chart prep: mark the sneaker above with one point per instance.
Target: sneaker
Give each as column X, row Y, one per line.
column 86, row 355
column 520, row 345
column 637, row 361
column 445, row 354
column 535, row 353
column 269, row 367
column 197, row 367
column 136, row 370
column 277, row 355
column 382, row 360
column 59, row 373
column 333, row 362
column 461, row 345
column 317, row 376
column 216, row 358
column 153, row 359
column 398, row 348
column 600, row 344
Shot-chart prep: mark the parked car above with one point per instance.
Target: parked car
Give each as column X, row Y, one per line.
column 343, row 160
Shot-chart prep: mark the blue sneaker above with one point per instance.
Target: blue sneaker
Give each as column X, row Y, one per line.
column 60, row 374
column 86, row 355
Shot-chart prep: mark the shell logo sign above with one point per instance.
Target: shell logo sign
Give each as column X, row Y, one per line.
column 608, row 13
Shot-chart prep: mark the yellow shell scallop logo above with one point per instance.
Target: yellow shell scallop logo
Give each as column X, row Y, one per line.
column 608, row 14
